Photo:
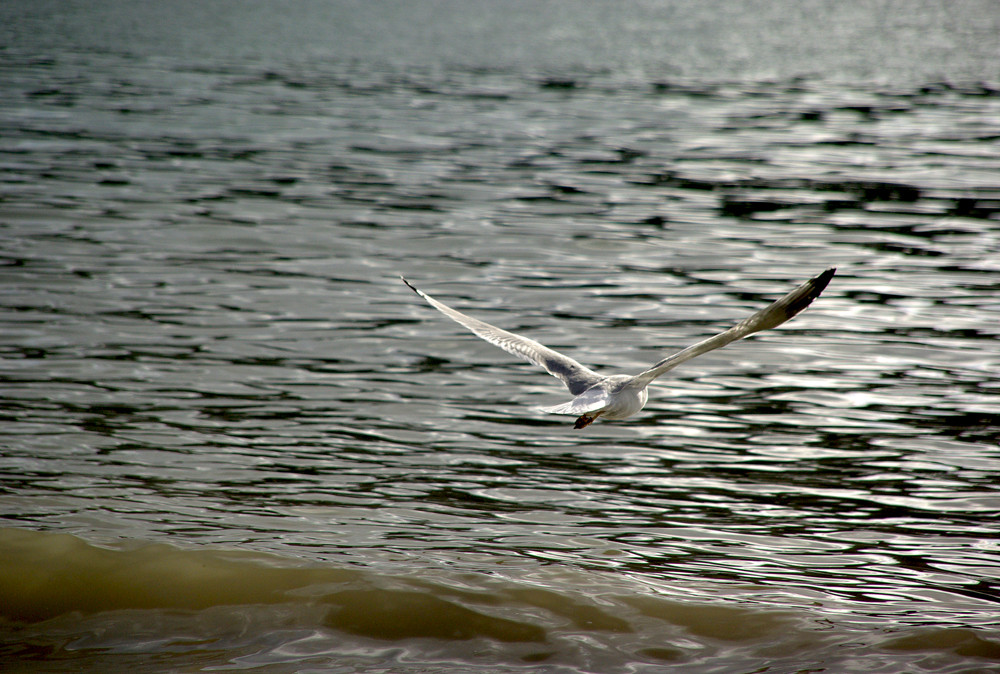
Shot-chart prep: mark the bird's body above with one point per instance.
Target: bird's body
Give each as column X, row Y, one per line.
column 618, row 400
column 620, row 396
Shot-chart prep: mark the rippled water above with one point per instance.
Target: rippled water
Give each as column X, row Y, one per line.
column 231, row 438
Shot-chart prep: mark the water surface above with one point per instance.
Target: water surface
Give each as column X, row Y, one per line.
column 231, row 438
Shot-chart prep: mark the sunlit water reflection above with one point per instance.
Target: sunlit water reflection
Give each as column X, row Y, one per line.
column 205, row 343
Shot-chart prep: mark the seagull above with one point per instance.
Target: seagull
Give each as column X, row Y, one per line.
column 620, row 395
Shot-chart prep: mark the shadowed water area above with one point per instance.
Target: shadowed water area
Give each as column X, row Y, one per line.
column 231, row 438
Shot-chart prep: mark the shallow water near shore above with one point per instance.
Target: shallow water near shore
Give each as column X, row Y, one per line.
column 72, row 607
column 231, row 438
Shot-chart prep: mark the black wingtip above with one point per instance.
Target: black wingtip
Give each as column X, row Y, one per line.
column 820, row 282
column 803, row 296
column 408, row 284
column 791, row 304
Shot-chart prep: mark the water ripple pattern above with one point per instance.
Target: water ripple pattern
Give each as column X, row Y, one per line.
column 204, row 341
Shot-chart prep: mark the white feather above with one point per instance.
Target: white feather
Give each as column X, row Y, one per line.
column 588, row 401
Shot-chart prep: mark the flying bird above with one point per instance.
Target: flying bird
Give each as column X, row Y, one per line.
column 620, row 395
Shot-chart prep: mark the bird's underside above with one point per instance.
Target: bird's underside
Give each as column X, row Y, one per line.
column 621, row 396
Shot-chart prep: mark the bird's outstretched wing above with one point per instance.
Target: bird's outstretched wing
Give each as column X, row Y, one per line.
column 576, row 377
column 771, row 317
column 588, row 401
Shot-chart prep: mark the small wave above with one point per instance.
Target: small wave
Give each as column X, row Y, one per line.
column 64, row 598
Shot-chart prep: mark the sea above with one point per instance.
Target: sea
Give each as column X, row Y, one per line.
column 231, row 439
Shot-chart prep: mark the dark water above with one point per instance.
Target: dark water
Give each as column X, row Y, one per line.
column 232, row 439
